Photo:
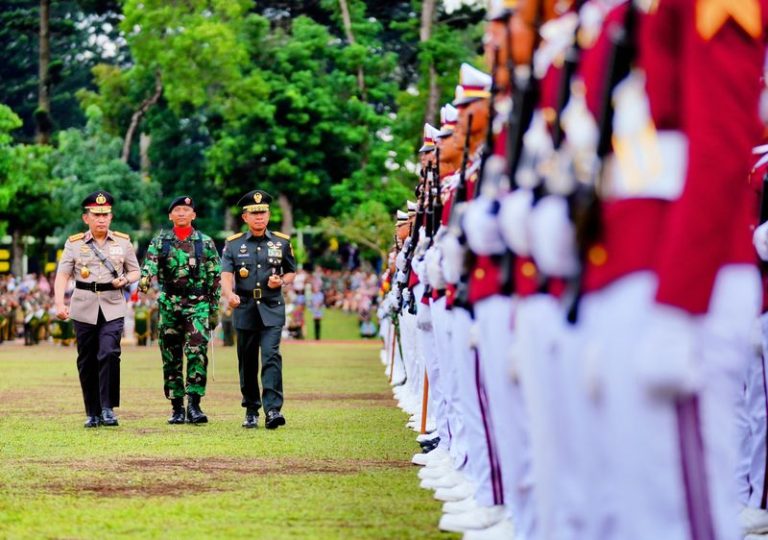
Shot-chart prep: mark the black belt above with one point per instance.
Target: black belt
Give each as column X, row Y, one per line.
column 256, row 294
column 183, row 291
column 94, row 287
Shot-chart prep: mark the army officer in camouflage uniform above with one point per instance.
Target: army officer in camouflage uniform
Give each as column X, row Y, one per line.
column 102, row 262
column 187, row 267
column 255, row 266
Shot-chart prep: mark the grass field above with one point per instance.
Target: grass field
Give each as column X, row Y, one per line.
column 339, row 469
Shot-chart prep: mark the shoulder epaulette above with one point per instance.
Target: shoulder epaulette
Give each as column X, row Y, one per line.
column 76, row 237
column 281, row 235
column 234, row 236
column 121, row 235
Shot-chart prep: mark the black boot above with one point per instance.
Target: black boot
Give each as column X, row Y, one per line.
column 177, row 415
column 194, row 414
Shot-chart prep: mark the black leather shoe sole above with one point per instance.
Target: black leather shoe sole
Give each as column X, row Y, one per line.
column 109, row 423
column 92, row 423
column 275, row 423
column 175, row 420
column 198, row 420
column 251, row 425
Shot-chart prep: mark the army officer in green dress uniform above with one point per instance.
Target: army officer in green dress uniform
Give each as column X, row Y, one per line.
column 255, row 266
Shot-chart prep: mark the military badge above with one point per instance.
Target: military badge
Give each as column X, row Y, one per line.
column 274, row 252
column 243, row 249
column 257, row 198
column 84, row 272
column 187, row 201
column 243, row 272
column 101, row 199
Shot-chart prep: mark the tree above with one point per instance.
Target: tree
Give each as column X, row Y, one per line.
column 370, row 224
column 88, row 160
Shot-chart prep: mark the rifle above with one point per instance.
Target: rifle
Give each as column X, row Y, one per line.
column 524, row 99
column 414, row 238
column 488, row 146
column 438, row 210
column 585, row 202
column 461, row 188
column 764, row 200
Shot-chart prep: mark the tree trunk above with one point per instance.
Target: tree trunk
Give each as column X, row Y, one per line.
column 287, row 209
column 425, row 32
column 347, row 20
column 139, row 114
column 43, row 113
column 145, row 141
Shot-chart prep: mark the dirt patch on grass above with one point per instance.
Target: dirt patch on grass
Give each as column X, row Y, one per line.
column 154, row 488
column 143, row 477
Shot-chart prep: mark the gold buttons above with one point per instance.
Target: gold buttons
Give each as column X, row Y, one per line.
column 597, row 255
column 528, row 269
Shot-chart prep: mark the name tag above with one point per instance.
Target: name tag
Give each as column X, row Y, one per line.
column 115, row 250
column 243, row 255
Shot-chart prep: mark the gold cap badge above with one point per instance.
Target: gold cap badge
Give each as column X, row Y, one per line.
column 101, row 199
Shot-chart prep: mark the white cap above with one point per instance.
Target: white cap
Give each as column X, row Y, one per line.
column 429, row 138
column 449, row 117
column 474, row 85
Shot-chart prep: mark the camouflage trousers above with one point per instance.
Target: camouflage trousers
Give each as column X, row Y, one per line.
column 184, row 332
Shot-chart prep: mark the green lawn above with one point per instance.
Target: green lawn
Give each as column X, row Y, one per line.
column 339, row 469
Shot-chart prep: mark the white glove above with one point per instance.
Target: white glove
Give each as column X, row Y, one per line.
column 667, row 363
column 400, row 260
column 419, row 266
column 514, row 215
column 760, row 240
column 553, row 238
column 435, row 276
column 424, row 318
column 453, row 258
column 482, row 228
column 423, row 243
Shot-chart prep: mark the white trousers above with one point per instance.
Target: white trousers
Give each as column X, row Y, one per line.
column 442, row 322
column 478, row 463
column 506, row 412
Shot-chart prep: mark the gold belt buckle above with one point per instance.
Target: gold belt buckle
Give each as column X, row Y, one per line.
column 256, row 294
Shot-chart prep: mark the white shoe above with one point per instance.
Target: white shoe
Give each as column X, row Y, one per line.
column 426, row 437
column 753, row 520
column 456, row 493
column 453, row 478
column 436, row 455
column 458, row 507
column 481, row 518
column 435, row 471
column 503, row 530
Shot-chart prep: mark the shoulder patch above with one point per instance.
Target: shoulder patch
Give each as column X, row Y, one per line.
column 121, row 235
column 76, row 237
column 281, row 235
column 234, row 236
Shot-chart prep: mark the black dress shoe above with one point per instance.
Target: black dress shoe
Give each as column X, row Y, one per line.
column 177, row 414
column 251, row 421
column 195, row 415
column 274, row 419
column 108, row 417
column 92, row 421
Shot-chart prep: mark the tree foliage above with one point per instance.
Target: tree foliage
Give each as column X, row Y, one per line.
column 89, row 160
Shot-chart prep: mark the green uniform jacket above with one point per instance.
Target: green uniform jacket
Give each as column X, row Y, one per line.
column 258, row 258
column 181, row 275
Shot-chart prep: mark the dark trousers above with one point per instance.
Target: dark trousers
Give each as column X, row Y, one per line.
column 98, row 363
column 317, row 328
column 249, row 342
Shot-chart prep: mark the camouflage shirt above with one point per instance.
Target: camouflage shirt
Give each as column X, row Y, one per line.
column 179, row 272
